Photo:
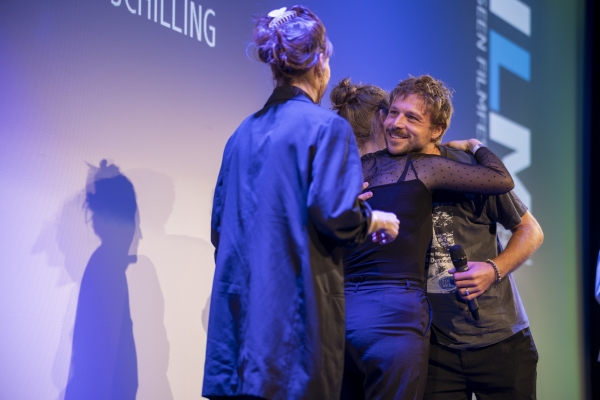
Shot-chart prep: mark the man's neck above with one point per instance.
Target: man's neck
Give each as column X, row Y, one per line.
column 432, row 148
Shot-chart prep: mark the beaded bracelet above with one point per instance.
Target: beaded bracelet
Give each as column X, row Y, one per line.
column 493, row 264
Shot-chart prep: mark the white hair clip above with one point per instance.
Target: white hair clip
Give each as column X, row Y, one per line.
column 280, row 16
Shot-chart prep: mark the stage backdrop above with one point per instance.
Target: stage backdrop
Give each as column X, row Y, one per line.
column 155, row 87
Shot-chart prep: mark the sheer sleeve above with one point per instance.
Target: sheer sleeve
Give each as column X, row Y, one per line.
column 440, row 173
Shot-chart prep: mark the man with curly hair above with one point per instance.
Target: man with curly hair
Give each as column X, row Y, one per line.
column 493, row 357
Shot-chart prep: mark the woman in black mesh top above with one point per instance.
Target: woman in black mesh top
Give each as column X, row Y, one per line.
column 387, row 313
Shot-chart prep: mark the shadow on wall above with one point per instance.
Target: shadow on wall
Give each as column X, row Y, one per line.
column 162, row 283
column 103, row 359
column 183, row 265
column 67, row 242
column 147, row 300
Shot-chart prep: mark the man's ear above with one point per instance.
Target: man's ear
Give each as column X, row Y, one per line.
column 436, row 132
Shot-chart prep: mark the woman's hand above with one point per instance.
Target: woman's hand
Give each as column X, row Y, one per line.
column 366, row 195
column 384, row 226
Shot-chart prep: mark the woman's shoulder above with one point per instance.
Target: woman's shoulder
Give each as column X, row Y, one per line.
column 381, row 154
column 321, row 118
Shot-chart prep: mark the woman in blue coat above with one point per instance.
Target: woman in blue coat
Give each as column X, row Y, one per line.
column 284, row 204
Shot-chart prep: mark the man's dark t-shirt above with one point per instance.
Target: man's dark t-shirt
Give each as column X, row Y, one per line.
column 470, row 220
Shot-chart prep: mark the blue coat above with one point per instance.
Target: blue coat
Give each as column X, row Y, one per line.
column 284, row 203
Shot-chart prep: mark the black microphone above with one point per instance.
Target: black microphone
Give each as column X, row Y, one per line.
column 459, row 259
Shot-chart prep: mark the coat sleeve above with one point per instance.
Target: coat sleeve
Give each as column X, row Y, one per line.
column 215, row 223
column 219, row 198
column 336, row 181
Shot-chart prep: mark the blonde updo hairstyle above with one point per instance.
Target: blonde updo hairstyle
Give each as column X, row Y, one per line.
column 361, row 106
column 292, row 48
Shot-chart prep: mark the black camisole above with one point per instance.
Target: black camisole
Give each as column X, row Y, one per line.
column 403, row 185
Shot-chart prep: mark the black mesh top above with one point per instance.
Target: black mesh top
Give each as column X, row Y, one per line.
column 403, row 185
column 491, row 177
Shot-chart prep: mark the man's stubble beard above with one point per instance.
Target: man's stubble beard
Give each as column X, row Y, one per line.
column 402, row 152
column 407, row 149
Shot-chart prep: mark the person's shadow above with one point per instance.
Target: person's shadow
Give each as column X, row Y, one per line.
column 103, row 359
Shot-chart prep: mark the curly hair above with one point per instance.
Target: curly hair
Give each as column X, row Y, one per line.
column 359, row 104
column 436, row 97
column 291, row 48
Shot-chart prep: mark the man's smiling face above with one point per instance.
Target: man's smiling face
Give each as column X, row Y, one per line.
column 408, row 126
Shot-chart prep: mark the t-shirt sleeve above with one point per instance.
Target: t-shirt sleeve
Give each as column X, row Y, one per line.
column 506, row 209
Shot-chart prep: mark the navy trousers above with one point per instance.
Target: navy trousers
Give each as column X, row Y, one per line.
column 387, row 339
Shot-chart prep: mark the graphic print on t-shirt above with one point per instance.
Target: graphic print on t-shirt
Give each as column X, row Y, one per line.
column 438, row 260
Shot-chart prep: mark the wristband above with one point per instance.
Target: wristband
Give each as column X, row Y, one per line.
column 477, row 147
column 493, row 264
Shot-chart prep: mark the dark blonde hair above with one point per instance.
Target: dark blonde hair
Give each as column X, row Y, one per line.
column 360, row 105
column 291, row 48
column 436, row 97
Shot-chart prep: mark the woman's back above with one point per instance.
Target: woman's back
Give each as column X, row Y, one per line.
column 285, row 201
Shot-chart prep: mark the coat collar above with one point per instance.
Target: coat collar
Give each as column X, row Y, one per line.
column 284, row 93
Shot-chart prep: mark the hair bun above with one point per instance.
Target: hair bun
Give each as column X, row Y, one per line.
column 344, row 93
column 290, row 45
column 359, row 104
